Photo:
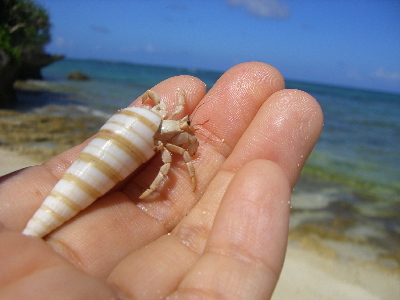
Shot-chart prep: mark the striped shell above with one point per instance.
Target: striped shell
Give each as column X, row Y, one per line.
column 120, row 147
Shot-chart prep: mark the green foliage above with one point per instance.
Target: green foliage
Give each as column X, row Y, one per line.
column 5, row 44
column 23, row 24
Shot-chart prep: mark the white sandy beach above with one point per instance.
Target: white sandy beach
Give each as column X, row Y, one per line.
column 10, row 161
column 307, row 275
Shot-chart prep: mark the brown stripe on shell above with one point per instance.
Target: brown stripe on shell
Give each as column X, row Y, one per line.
column 84, row 186
column 67, row 201
column 132, row 130
column 141, row 118
column 124, row 144
column 51, row 212
column 102, row 166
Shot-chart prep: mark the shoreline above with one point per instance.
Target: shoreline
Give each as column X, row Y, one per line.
column 310, row 271
column 43, row 133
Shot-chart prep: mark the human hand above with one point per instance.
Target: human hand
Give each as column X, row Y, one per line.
column 226, row 240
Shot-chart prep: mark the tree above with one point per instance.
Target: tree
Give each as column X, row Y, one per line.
column 22, row 24
column 24, row 30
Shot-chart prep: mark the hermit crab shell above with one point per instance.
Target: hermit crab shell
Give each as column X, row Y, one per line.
column 120, row 147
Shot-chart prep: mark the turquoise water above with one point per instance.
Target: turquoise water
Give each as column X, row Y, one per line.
column 115, row 84
column 352, row 179
column 360, row 142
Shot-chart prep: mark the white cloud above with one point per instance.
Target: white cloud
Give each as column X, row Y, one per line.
column 381, row 72
column 61, row 42
column 264, row 8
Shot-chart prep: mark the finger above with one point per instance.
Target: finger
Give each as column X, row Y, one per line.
column 23, row 191
column 284, row 131
column 248, row 241
column 300, row 123
column 154, row 271
column 246, row 248
column 38, row 272
column 252, row 100
column 228, row 108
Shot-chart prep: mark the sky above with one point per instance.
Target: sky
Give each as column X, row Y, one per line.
column 348, row 43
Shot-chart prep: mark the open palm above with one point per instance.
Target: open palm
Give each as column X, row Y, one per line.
column 227, row 240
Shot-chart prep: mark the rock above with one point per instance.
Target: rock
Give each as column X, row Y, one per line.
column 8, row 74
column 78, row 76
column 28, row 67
column 32, row 60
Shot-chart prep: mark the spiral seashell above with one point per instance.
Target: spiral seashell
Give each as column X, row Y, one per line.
column 123, row 143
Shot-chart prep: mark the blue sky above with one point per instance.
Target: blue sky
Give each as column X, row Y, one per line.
column 340, row 42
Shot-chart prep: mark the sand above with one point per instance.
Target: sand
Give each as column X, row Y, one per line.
column 308, row 273
column 11, row 161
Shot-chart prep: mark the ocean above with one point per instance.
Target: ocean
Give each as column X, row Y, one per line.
column 349, row 190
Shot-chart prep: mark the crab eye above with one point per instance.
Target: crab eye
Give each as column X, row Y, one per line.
column 188, row 122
